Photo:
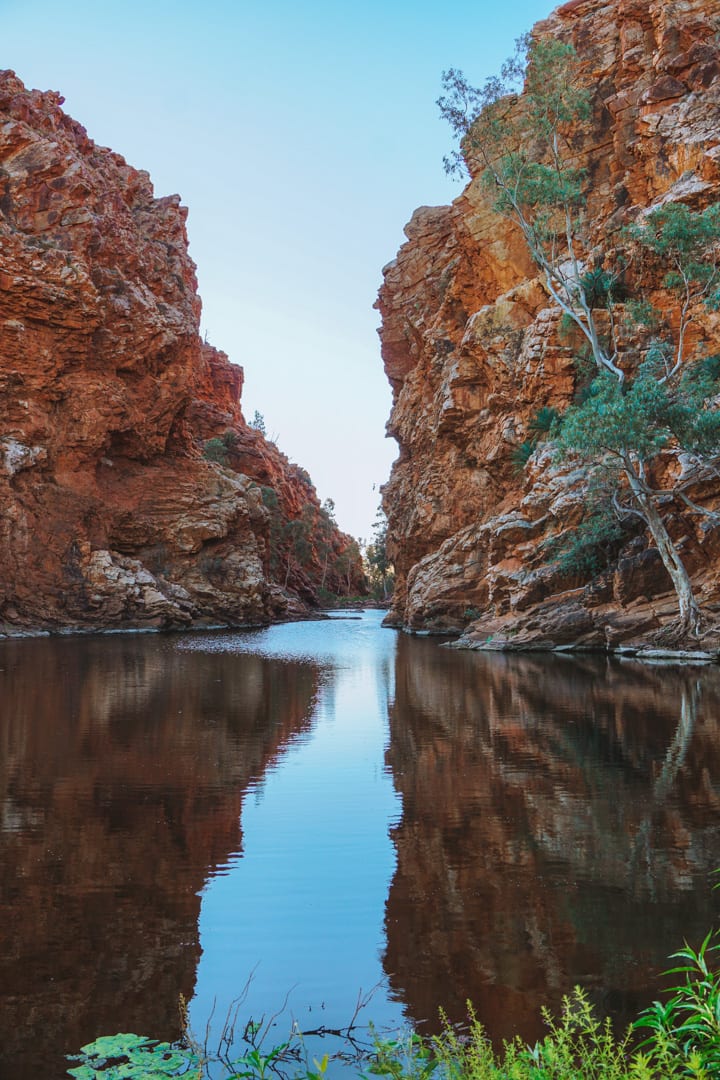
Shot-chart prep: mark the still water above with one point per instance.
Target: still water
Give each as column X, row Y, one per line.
column 325, row 810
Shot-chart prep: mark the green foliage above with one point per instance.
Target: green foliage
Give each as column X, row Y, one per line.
column 577, row 1047
column 304, row 477
column 685, row 240
column 639, row 312
column 258, row 423
column 553, row 89
column 709, row 369
column 214, row 450
column 682, row 1040
column 544, row 421
column 307, row 548
column 684, row 1034
column 406, row 1057
column 600, row 288
column 131, row 1057
column 521, row 145
column 521, row 454
column 219, row 448
column 591, row 547
column 270, row 498
column 256, row 1064
column 542, row 424
column 379, row 568
column 640, row 420
column 488, row 124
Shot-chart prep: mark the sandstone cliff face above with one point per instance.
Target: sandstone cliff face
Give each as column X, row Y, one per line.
column 472, row 350
column 111, row 516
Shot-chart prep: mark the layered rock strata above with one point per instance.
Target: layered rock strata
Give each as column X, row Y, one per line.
column 110, row 513
column 473, row 349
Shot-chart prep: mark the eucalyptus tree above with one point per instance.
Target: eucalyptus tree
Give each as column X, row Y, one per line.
column 652, row 391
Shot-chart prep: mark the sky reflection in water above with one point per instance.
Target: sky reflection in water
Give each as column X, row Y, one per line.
column 301, row 907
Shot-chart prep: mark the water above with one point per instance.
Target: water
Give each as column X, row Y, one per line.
column 322, row 810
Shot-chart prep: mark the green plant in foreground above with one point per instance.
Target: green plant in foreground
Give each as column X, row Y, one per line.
column 682, row 1041
column 257, row 1065
column 406, row 1057
column 132, row 1057
column 686, row 1029
column 577, row 1046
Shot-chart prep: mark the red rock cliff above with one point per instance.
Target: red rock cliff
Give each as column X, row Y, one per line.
column 111, row 513
column 471, row 347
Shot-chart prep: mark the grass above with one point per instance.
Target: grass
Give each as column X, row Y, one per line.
column 673, row 1039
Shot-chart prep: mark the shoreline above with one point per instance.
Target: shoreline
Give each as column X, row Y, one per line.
column 647, row 652
column 325, row 614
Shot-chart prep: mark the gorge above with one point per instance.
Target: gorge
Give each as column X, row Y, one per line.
column 134, row 493
column 289, row 820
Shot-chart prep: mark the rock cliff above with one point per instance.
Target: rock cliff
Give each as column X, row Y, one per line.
column 132, row 492
column 473, row 349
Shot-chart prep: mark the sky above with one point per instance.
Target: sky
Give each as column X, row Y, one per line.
column 301, row 136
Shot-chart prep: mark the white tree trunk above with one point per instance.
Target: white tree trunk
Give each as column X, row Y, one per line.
column 688, row 608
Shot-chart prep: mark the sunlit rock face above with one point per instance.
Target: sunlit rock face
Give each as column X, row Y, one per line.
column 472, row 349
column 558, row 827
column 110, row 515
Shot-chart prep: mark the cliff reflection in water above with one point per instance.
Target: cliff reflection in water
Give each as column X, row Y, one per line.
column 123, row 765
column 559, row 826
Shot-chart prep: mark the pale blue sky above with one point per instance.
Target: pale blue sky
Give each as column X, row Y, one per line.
column 302, row 137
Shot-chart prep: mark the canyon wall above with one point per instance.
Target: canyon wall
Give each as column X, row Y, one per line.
column 113, row 512
column 473, row 349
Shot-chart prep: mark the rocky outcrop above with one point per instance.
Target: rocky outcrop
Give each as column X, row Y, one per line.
column 473, row 349
column 112, row 511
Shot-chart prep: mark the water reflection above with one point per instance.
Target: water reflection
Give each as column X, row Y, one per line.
column 177, row 810
column 123, row 764
column 304, row 909
column 559, row 825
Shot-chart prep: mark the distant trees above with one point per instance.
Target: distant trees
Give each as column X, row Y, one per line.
column 325, row 533
column 651, row 390
column 309, row 546
column 380, row 571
